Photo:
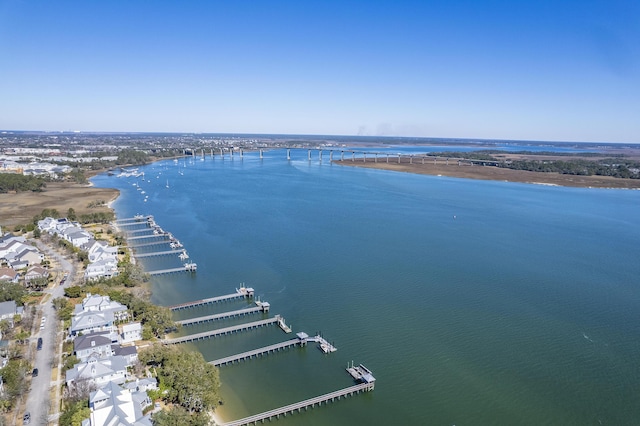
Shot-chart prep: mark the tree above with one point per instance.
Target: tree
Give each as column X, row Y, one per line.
column 71, row 214
column 12, row 291
column 74, row 413
column 14, row 378
column 178, row 416
column 191, row 381
column 38, row 283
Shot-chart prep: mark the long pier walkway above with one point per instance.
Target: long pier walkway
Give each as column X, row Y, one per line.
column 159, row 253
column 222, row 331
column 137, row 231
column 132, row 220
column 257, row 352
column 187, row 267
column 246, row 292
column 154, row 243
column 142, row 237
column 222, row 315
column 306, row 404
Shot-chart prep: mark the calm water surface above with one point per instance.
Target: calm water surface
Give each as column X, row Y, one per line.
column 473, row 302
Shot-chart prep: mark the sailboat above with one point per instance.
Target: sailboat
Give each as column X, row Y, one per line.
column 167, row 183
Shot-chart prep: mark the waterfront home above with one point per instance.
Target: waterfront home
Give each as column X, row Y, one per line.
column 96, row 345
column 106, row 268
column 99, row 250
column 130, row 332
column 98, row 303
column 98, row 371
column 112, row 405
column 91, row 322
column 129, row 353
column 97, row 314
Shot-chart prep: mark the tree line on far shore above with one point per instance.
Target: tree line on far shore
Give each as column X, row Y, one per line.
column 615, row 166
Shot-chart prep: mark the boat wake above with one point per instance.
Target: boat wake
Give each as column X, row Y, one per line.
column 587, row 337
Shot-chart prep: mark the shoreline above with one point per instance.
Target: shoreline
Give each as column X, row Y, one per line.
column 496, row 174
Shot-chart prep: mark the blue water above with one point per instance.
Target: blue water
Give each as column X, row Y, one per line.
column 473, row 302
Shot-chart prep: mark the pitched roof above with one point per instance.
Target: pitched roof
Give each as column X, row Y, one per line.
column 90, row 340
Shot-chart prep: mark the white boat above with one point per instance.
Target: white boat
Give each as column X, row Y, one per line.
column 167, row 183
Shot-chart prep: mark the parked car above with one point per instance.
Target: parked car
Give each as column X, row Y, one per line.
column 26, row 419
column 39, row 343
column 35, row 373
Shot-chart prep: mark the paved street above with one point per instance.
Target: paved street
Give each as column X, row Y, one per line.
column 38, row 400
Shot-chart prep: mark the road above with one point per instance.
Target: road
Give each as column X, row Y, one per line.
column 39, row 400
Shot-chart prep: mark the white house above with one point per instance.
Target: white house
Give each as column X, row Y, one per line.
column 112, row 405
column 8, row 274
column 99, row 371
column 130, row 332
column 96, row 345
column 96, row 313
column 102, row 268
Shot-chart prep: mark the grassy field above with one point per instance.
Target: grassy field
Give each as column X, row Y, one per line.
column 20, row 208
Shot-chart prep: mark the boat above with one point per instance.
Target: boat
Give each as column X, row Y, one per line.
column 167, row 183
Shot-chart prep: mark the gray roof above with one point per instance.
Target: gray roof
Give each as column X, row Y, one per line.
column 8, row 308
column 90, row 340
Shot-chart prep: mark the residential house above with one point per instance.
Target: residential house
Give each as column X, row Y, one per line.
column 112, row 405
column 129, row 353
column 92, row 322
column 98, row 371
column 102, row 268
column 8, row 274
column 98, row 250
column 130, row 332
column 142, row 385
column 96, row 345
column 97, row 313
column 35, row 272
column 77, row 236
column 8, row 310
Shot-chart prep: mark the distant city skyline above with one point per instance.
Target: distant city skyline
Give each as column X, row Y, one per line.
column 528, row 70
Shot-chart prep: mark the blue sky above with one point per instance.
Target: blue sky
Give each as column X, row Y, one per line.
column 528, row 69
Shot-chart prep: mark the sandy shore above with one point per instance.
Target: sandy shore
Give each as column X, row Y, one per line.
column 493, row 173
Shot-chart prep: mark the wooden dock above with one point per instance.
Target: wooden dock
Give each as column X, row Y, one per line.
column 257, row 352
column 154, row 243
column 141, row 237
column 131, row 220
column 222, row 331
column 242, row 292
column 221, row 315
column 137, row 231
column 306, row 404
column 168, row 271
column 158, row 253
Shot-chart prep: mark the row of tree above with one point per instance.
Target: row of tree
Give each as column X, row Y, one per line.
column 615, row 166
column 13, row 182
column 606, row 167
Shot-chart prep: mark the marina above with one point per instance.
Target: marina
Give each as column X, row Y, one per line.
column 156, row 233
